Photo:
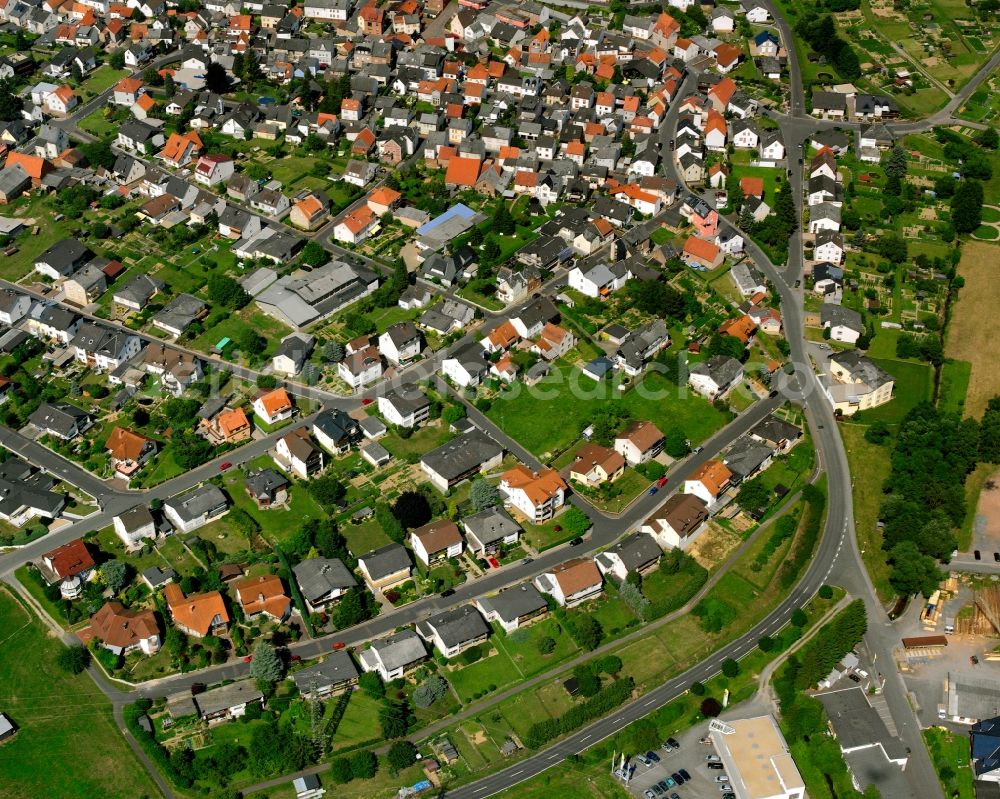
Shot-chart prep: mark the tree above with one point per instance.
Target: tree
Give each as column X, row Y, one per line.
column 710, row 707
column 10, row 103
column 372, row 684
column 115, row 575
column 390, row 525
column 503, row 222
column 698, row 689
column 401, row 755
column 73, row 659
column 720, row 344
column 333, row 351
column 394, row 718
column 98, row 154
column 364, row 765
column 250, row 342
column 117, row 59
column 967, row 206
column 266, row 666
column 765, row 643
column 340, row 771
column 877, row 433
column 412, row 509
column 169, row 87
column 223, row 290
column 546, row 645
column 730, row 667
column 799, row 618
column 753, row 494
column 353, row 608
column 586, row 631
column 989, row 139
column 912, row 571
column 216, row 79
column 894, row 162
column 482, row 495
column 575, row 521
column 327, row 491
column 429, row 691
column 314, row 254
column 643, row 735
column 454, row 413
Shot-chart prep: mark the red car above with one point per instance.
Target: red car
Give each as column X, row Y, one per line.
column 367, row 401
column 493, row 562
column 339, row 644
column 295, row 658
column 248, row 658
column 661, row 482
column 225, row 465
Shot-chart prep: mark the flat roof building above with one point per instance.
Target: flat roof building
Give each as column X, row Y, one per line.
column 757, row 759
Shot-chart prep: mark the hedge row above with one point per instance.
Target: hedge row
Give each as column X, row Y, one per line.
column 803, row 549
column 598, row 705
column 153, row 748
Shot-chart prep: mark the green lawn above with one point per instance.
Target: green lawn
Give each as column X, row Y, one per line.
column 547, row 418
column 630, row 485
column 955, row 376
column 68, row 743
column 869, row 468
column 360, row 722
column 912, row 386
column 545, row 536
column 612, row 613
column 524, row 653
column 102, row 78
column 422, row 441
column 950, row 753
column 484, row 676
column 233, row 325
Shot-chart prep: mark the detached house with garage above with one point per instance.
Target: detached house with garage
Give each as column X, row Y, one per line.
column 134, row 526
column 536, row 495
column 197, row 615
column 640, row 442
column 594, row 465
column 61, row 420
column 322, row 581
column 709, row 481
column 386, row 567
column 195, row 509
column 335, row 431
column 69, row 567
column 274, row 406
column 454, row 631
column 394, row 656
column 676, row 523
column 129, row 451
column 488, row 530
column 638, row 552
column 571, row 583
column 715, row 377
column 514, row 607
column 123, row 631
column 263, row 595
column 436, row 541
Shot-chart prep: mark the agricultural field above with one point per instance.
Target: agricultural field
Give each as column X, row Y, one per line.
column 49, row 756
column 965, row 341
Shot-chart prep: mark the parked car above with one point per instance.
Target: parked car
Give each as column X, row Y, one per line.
column 652, row 490
column 645, row 761
column 652, row 756
column 248, row 658
column 722, row 778
column 977, row 555
column 853, row 678
column 225, row 465
column 448, row 592
column 715, row 766
column 683, row 772
column 656, row 789
column 659, row 484
column 713, row 759
column 666, row 747
column 726, row 787
column 576, row 542
column 674, row 743
column 650, row 793
column 678, row 778
column 996, row 557
column 338, row 645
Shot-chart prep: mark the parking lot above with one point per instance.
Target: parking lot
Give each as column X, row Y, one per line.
column 690, row 757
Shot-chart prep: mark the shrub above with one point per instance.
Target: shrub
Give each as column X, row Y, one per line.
column 710, row 707
column 546, row 645
column 730, row 667
column 698, row 689
column 825, row 592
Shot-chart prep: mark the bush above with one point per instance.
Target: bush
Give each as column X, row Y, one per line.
column 825, row 592
column 730, row 667
column 428, row 692
column 340, row 771
column 710, row 708
column 546, row 645
column 472, row 654
column 799, row 618
column 698, row 689
column 371, row 684
column 73, row 659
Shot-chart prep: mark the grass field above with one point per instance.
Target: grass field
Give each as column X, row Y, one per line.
column 966, row 338
column 912, row 386
column 547, row 418
column 954, row 388
column 869, row 468
column 950, row 753
column 484, row 676
column 68, row 743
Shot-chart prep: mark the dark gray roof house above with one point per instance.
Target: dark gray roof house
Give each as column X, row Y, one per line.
column 264, row 484
column 181, row 312
column 323, row 579
column 155, row 577
column 490, row 526
column 461, row 457
column 513, row 604
column 385, row 561
column 394, row 654
column 775, row 432
column 60, row 419
column 746, row 457
column 336, row 671
column 454, row 627
column 636, row 553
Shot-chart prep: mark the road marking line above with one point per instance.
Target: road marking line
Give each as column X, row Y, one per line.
column 517, row 772
column 650, row 702
column 585, row 738
column 553, row 757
